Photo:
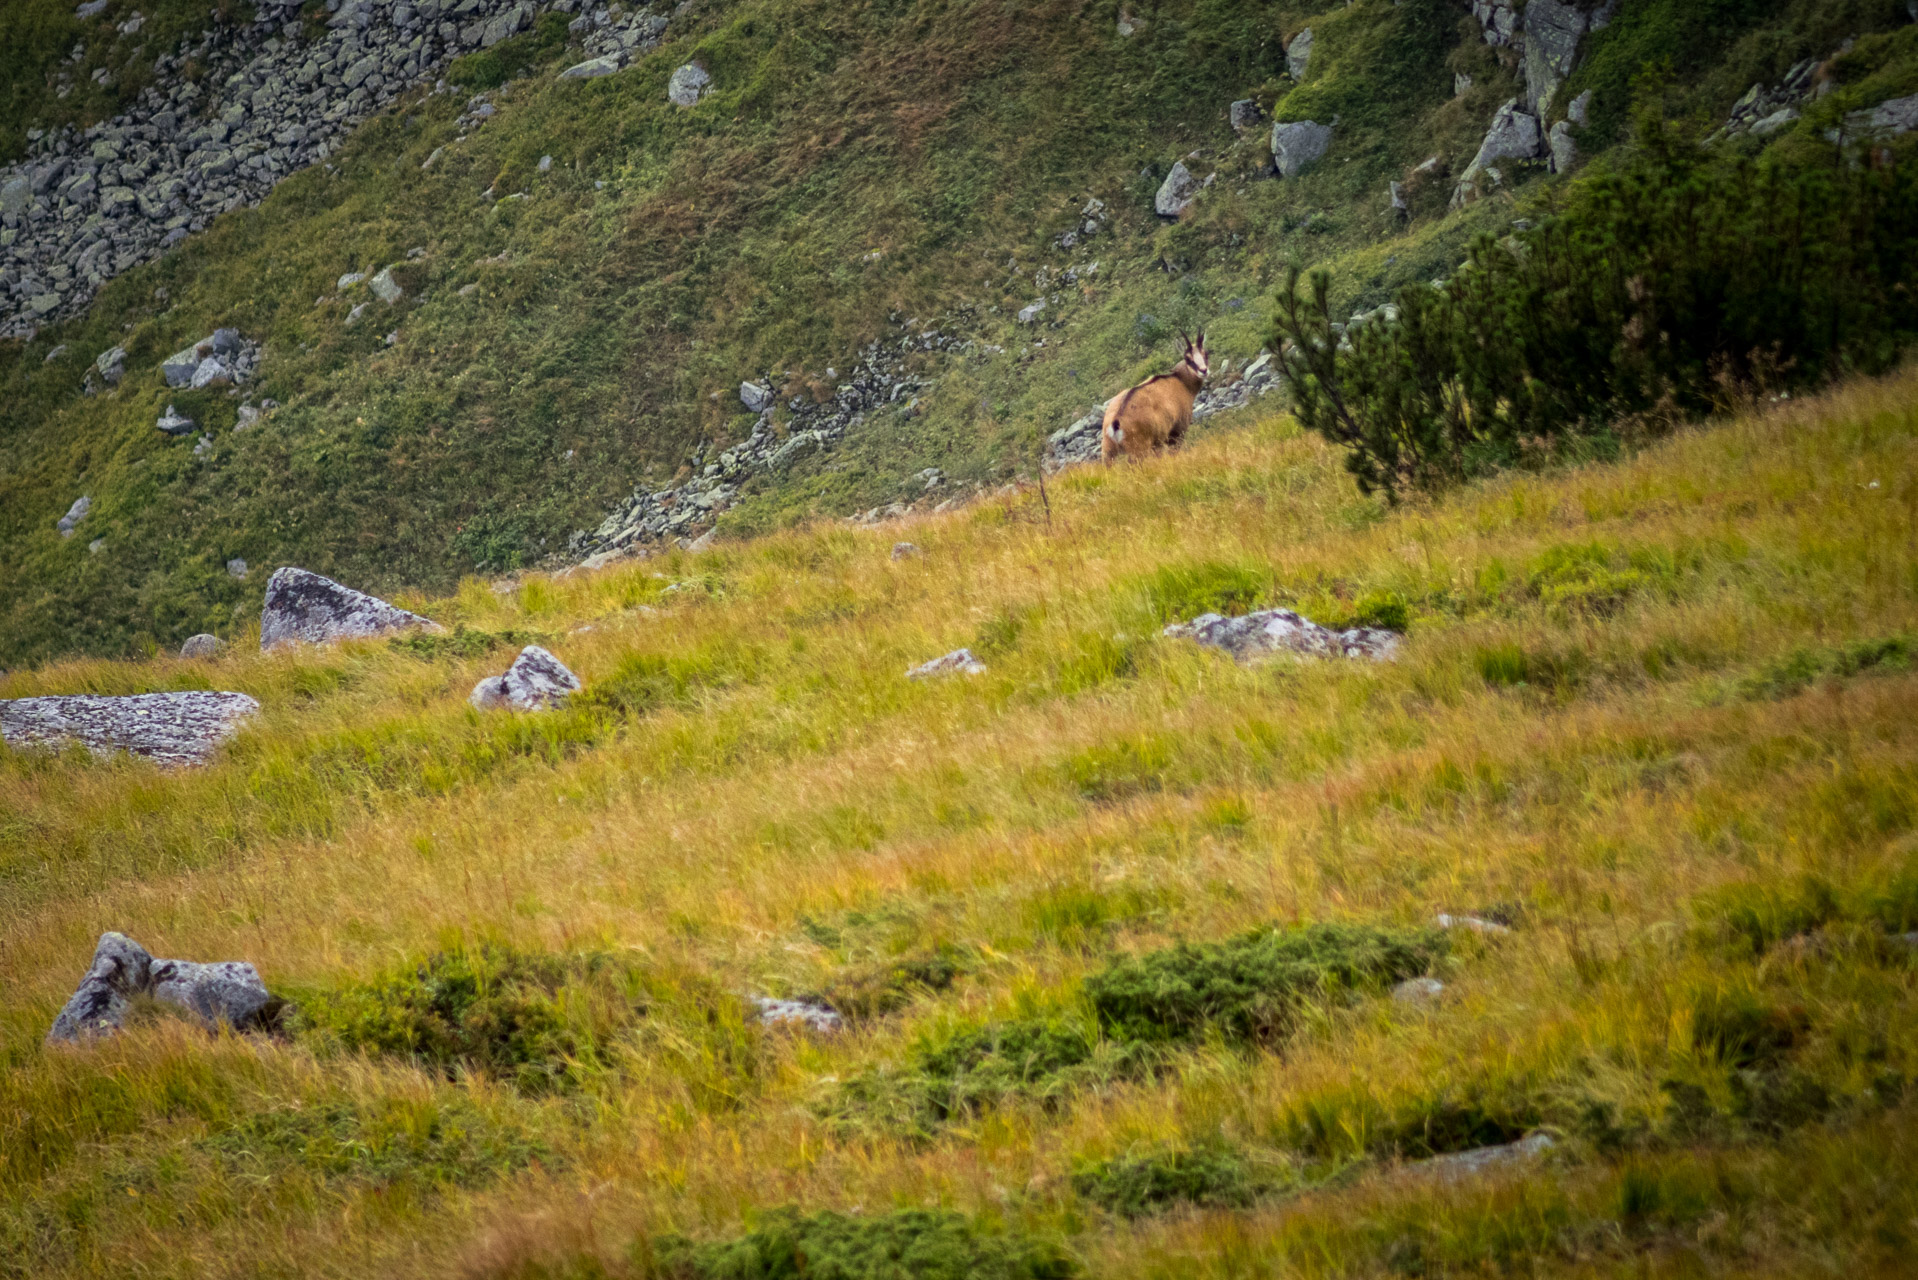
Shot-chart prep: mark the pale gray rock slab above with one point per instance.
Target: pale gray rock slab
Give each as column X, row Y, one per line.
column 687, row 85
column 798, row 1013
column 537, row 681
column 756, row 396
column 111, row 364
column 1473, row 923
column 175, row 423
column 1176, row 193
column 1887, row 119
column 1553, row 31
column 75, row 514
column 204, row 645
column 1297, row 144
column 958, row 662
column 1271, row 632
column 1514, row 135
column 591, row 69
column 183, row 728
column 1030, row 313
column 226, row 993
column 1465, row 1164
column 1563, row 146
column 385, row 287
column 304, row 608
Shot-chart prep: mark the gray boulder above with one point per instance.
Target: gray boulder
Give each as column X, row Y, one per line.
column 1298, row 54
column 1514, row 135
column 15, row 194
column 75, row 514
column 536, row 681
column 174, row 423
column 170, row 728
column 809, row 1014
column 1030, row 313
column 1465, row 1164
column 687, row 85
column 1564, row 147
column 203, row 645
column 236, row 568
column 1418, row 991
column 223, row 994
column 1245, row 114
column 1076, row 442
column 178, row 369
column 305, row 608
column 756, row 396
column 1553, row 30
column 1886, row 120
column 111, row 365
column 385, row 287
column 1177, row 192
column 591, row 69
column 1255, row 636
column 958, row 662
column 1298, row 143
column 905, row 551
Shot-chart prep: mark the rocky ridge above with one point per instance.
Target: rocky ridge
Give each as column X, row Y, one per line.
column 87, row 205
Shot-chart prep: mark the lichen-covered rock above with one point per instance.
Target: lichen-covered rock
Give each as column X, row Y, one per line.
column 226, row 993
column 203, row 645
column 1275, row 631
column 591, row 69
column 958, row 662
column 75, row 514
column 1176, row 193
column 1298, row 54
column 687, row 85
column 171, row 728
column 119, row 972
column 1514, row 135
column 1298, row 143
column 305, row 608
column 535, row 682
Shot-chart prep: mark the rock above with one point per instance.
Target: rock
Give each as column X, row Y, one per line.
column 1579, row 112
column 1246, row 114
column 92, row 9
column 536, row 681
column 1076, row 442
column 756, row 396
column 350, row 279
column 591, row 69
column 173, row 423
column 1297, row 143
column 120, row 971
column 1474, row 923
column 305, row 608
column 1176, row 193
column 385, row 287
column 545, row 164
column 1464, row 1164
column 1553, row 30
column 211, row 373
column 178, row 369
column 1886, row 120
column 503, row 26
column 111, row 365
column 249, row 416
column 687, row 85
column 1298, row 54
column 1563, row 147
column 75, row 514
column 16, row 194
column 226, row 993
column 803, row 1013
column 1514, row 135
column 171, row 728
column 236, row 568
column 94, row 548
column 1418, row 991
column 1030, row 313
column 958, row 662
column 223, row 994
column 1272, row 631
column 1461, row 84
column 202, row 646
column 1399, row 206
column 905, row 551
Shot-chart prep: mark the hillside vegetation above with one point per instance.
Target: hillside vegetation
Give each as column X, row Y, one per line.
column 1113, row 927
column 861, row 172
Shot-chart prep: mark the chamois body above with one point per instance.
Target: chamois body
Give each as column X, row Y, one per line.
column 1156, row 413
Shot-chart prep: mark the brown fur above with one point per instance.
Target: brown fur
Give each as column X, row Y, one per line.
column 1157, row 413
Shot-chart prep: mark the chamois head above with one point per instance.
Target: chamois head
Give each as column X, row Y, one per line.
column 1194, row 354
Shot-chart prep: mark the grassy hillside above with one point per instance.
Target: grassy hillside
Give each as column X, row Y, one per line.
column 1655, row 716
column 860, row 171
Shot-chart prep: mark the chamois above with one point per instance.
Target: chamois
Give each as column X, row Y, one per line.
column 1156, row 413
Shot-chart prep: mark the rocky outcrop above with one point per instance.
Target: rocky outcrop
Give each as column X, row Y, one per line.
column 169, row 728
column 756, row 396
column 262, row 102
column 1275, row 631
column 1886, row 120
column 305, row 608
column 1514, row 136
column 687, row 85
column 537, row 681
column 958, row 662
column 1297, row 144
column 224, row 994
column 1298, row 54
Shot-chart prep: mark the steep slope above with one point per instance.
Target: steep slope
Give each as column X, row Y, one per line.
column 897, row 174
column 1651, row 726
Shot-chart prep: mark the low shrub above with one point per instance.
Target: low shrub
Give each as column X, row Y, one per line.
column 876, row 989
column 543, row 1023
column 1135, row 1185
column 1113, row 771
column 644, row 682
column 926, row 1244
column 1801, row 668
column 1250, row 988
column 1743, row 1029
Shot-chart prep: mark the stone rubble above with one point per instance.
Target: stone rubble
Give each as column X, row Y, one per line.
column 223, row 994
column 537, row 681
column 1255, row 636
column 958, row 662
column 169, row 728
column 87, row 205
column 305, row 608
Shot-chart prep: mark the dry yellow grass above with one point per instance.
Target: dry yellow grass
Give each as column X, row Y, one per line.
column 798, row 809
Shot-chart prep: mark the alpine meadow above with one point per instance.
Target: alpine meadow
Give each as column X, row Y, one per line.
column 931, row 639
